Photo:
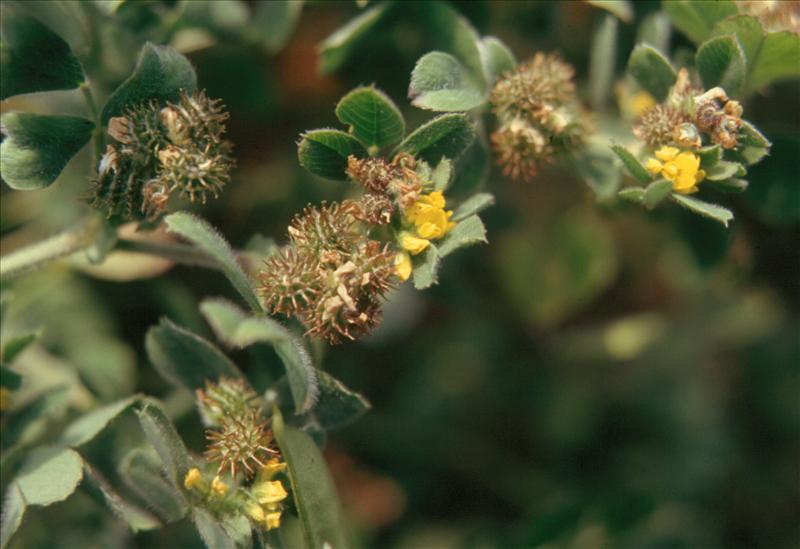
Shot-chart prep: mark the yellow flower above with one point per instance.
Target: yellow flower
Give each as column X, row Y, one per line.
column 413, row 244
column 255, row 512
column 272, row 520
column 272, row 468
column 682, row 168
column 219, row 487
column 402, row 265
column 270, row 491
column 193, row 479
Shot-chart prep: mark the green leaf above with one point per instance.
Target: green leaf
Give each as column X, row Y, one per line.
column 239, row 330
column 447, row 136
column 15, row 345
column 732, row 185
column 466, row 232
column 207, row 239
column 161, row 434
column 13, row 512
column 273, row 23
column 442, row 175
column 239, row 529
column 337, row 405
column 656, row 192
column 335, row 50
column 439, row 82
column 473, row 205
column 652, row 71
column 425, row 267
column 50, row 475
column 141, row 470
column 312, row 488
column 750, row 136
column 712, row 211
column 770, row 56
column 160, row 75
column 88, row 426
column 697, row 19
column 137, row 519
column 620, row 8
column 33, row 58
column 496, row 57
column 723, row 170
column 324, row 152
column 184, row 358
column 9, row 379
column 373, row 118
column 709, row 155
column 632, row 194
column 632, row 164
column 211, row 531
column 38, row 146
column 655, row 29
column 601, row 63
column 720, row 62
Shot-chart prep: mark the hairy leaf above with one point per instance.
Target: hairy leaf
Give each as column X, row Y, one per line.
column 711, row 211
column 38, row 146
column 88, row 426
column 50, row 475
column 656, row 192
column 141, row 470
column 137, row 519
column 439, row 82
column 496, row 58
column 324, row 152
column 632, row 164
column 447, row 136
column 373, row 118
column 473, row 205
column 652, row 70
column 425, row 268
column 720, row 62
column 162, row 436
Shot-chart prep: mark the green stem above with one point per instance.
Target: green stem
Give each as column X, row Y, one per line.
column 179, row 253
column 97, row 135
column 48, row 250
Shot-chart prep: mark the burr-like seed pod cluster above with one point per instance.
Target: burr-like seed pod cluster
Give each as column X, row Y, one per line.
column 159, row 150
column 538, row 113
column 240, row 438
column 331, row 275
column 687, row 114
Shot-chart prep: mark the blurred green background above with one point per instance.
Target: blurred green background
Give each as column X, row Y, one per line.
column 596, row 376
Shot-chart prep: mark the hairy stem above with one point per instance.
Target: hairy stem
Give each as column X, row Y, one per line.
column 179, row 253
column 34, row 256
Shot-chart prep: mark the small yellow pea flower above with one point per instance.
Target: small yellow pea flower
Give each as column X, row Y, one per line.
column 255, row 512
column 402, row 265
column 682, row 168
column 413, row 244
column 219, row 487
column 272, row 468
column 270, row 491
column 193, row 479
column 273, row 520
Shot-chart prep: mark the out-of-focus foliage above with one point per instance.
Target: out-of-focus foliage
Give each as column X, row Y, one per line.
column 599, row 375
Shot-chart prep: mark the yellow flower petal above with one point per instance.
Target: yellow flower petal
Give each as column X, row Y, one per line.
column 254, row 511
column 413, row 244
column 654, row 166
column 670, row 171
column 219, row 487
column 270, row 491
column 435, row 199
column 271, row 468
column 402, row 265
column 193, row 479
column 667, row 153
column 272, row 520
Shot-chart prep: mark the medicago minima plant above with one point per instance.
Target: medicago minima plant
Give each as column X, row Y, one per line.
column 410, row 198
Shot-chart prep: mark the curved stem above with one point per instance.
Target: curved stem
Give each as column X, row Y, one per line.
column 61, row 245
column 179, row 253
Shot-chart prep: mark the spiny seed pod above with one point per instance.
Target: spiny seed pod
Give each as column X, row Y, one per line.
column 521, row 148
column 242, row 443
column 228, row 397
column 658, row 124
column 721, row 123
column 330, row 275
column 160, row 150
column 539, row 115
column 397, row 179
column 374, row 209
column 535, row 88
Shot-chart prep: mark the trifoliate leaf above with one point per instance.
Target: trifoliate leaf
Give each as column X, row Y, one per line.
column 373, row 118
column 324, row 152
column 720, row 62
column 38, row 146
column 455, row 35
column 447, row 136
column 33, row 58
column 160, row 75
column 440, row 82
column 652, row 71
